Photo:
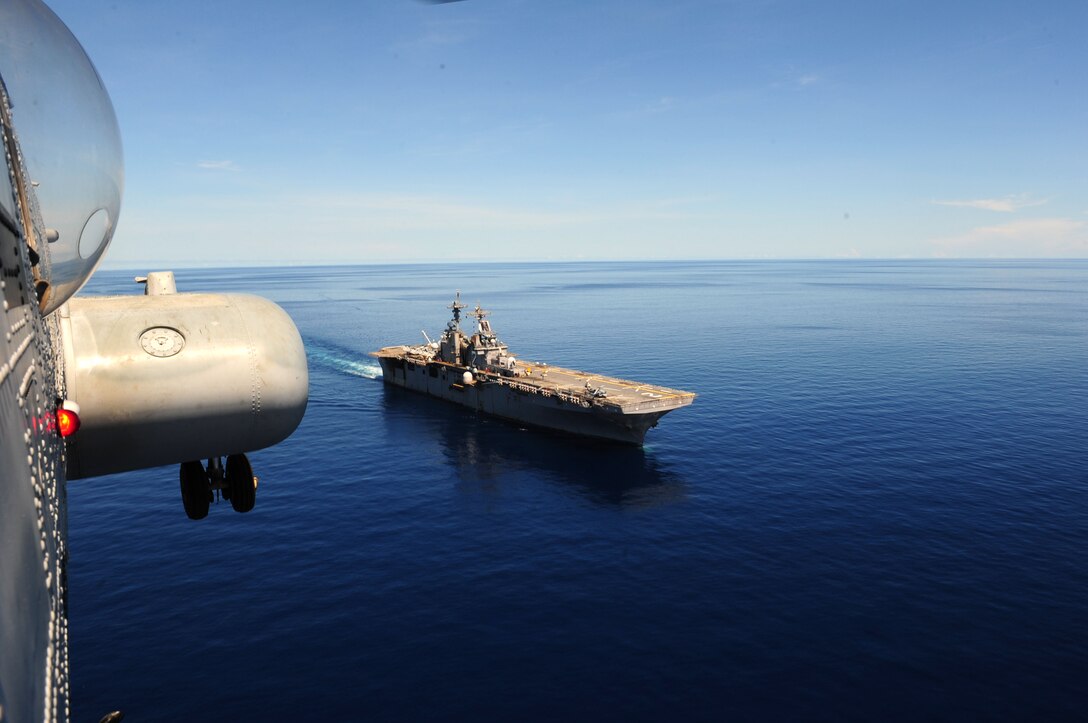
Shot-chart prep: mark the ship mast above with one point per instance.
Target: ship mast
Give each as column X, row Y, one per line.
column 450, row 348
column 456, row 306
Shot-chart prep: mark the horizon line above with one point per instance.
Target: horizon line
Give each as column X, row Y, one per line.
column 189, row 265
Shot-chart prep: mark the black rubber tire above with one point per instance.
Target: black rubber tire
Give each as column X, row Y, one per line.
column 196, row 491
column 243, row 488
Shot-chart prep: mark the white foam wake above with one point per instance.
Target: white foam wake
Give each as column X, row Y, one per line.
column 343, row 364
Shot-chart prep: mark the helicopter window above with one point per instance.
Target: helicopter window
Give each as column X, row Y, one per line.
column 94, row 234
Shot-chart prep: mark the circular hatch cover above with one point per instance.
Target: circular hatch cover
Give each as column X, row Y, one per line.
column 162, row 341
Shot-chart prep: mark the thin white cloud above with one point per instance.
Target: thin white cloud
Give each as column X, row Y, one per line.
column 662, row 105
column 1008, row 204
column 218, row 165
column 439, row 34
column 392, row 211
column 653, row 107
column 432, row 39
column 1027, row 237
column 401, row 227
column 794, row 78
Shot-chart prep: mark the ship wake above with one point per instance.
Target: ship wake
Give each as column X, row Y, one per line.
column 342, row 361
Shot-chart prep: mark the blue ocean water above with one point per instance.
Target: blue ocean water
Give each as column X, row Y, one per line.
column 874, row 510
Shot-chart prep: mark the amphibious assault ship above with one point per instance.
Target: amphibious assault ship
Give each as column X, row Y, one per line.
column 479, row 372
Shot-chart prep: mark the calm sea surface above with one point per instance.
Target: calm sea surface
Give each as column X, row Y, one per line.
column 876, row 509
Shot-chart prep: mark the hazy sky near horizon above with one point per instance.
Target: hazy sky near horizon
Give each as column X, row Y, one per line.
column 397, row 130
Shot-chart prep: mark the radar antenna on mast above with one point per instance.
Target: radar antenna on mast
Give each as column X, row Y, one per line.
column 457, row 306
column 482, row 324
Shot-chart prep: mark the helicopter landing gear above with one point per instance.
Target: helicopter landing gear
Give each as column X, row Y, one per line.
column 196, row 493
column 235, row 483
column 241, row 483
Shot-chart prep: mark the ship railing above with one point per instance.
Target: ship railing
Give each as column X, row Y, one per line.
column 545, row 392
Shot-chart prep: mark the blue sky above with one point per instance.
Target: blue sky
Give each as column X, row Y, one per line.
column 396, row 130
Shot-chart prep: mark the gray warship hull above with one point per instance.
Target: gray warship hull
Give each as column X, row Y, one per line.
column 519, row 402
column 480, row 374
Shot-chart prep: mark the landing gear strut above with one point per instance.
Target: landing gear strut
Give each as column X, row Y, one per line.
column 236, row 483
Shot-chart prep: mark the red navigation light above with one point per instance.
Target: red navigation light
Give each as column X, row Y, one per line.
column 68, row 418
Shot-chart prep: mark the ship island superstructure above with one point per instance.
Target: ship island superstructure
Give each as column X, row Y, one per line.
column 479, row 372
